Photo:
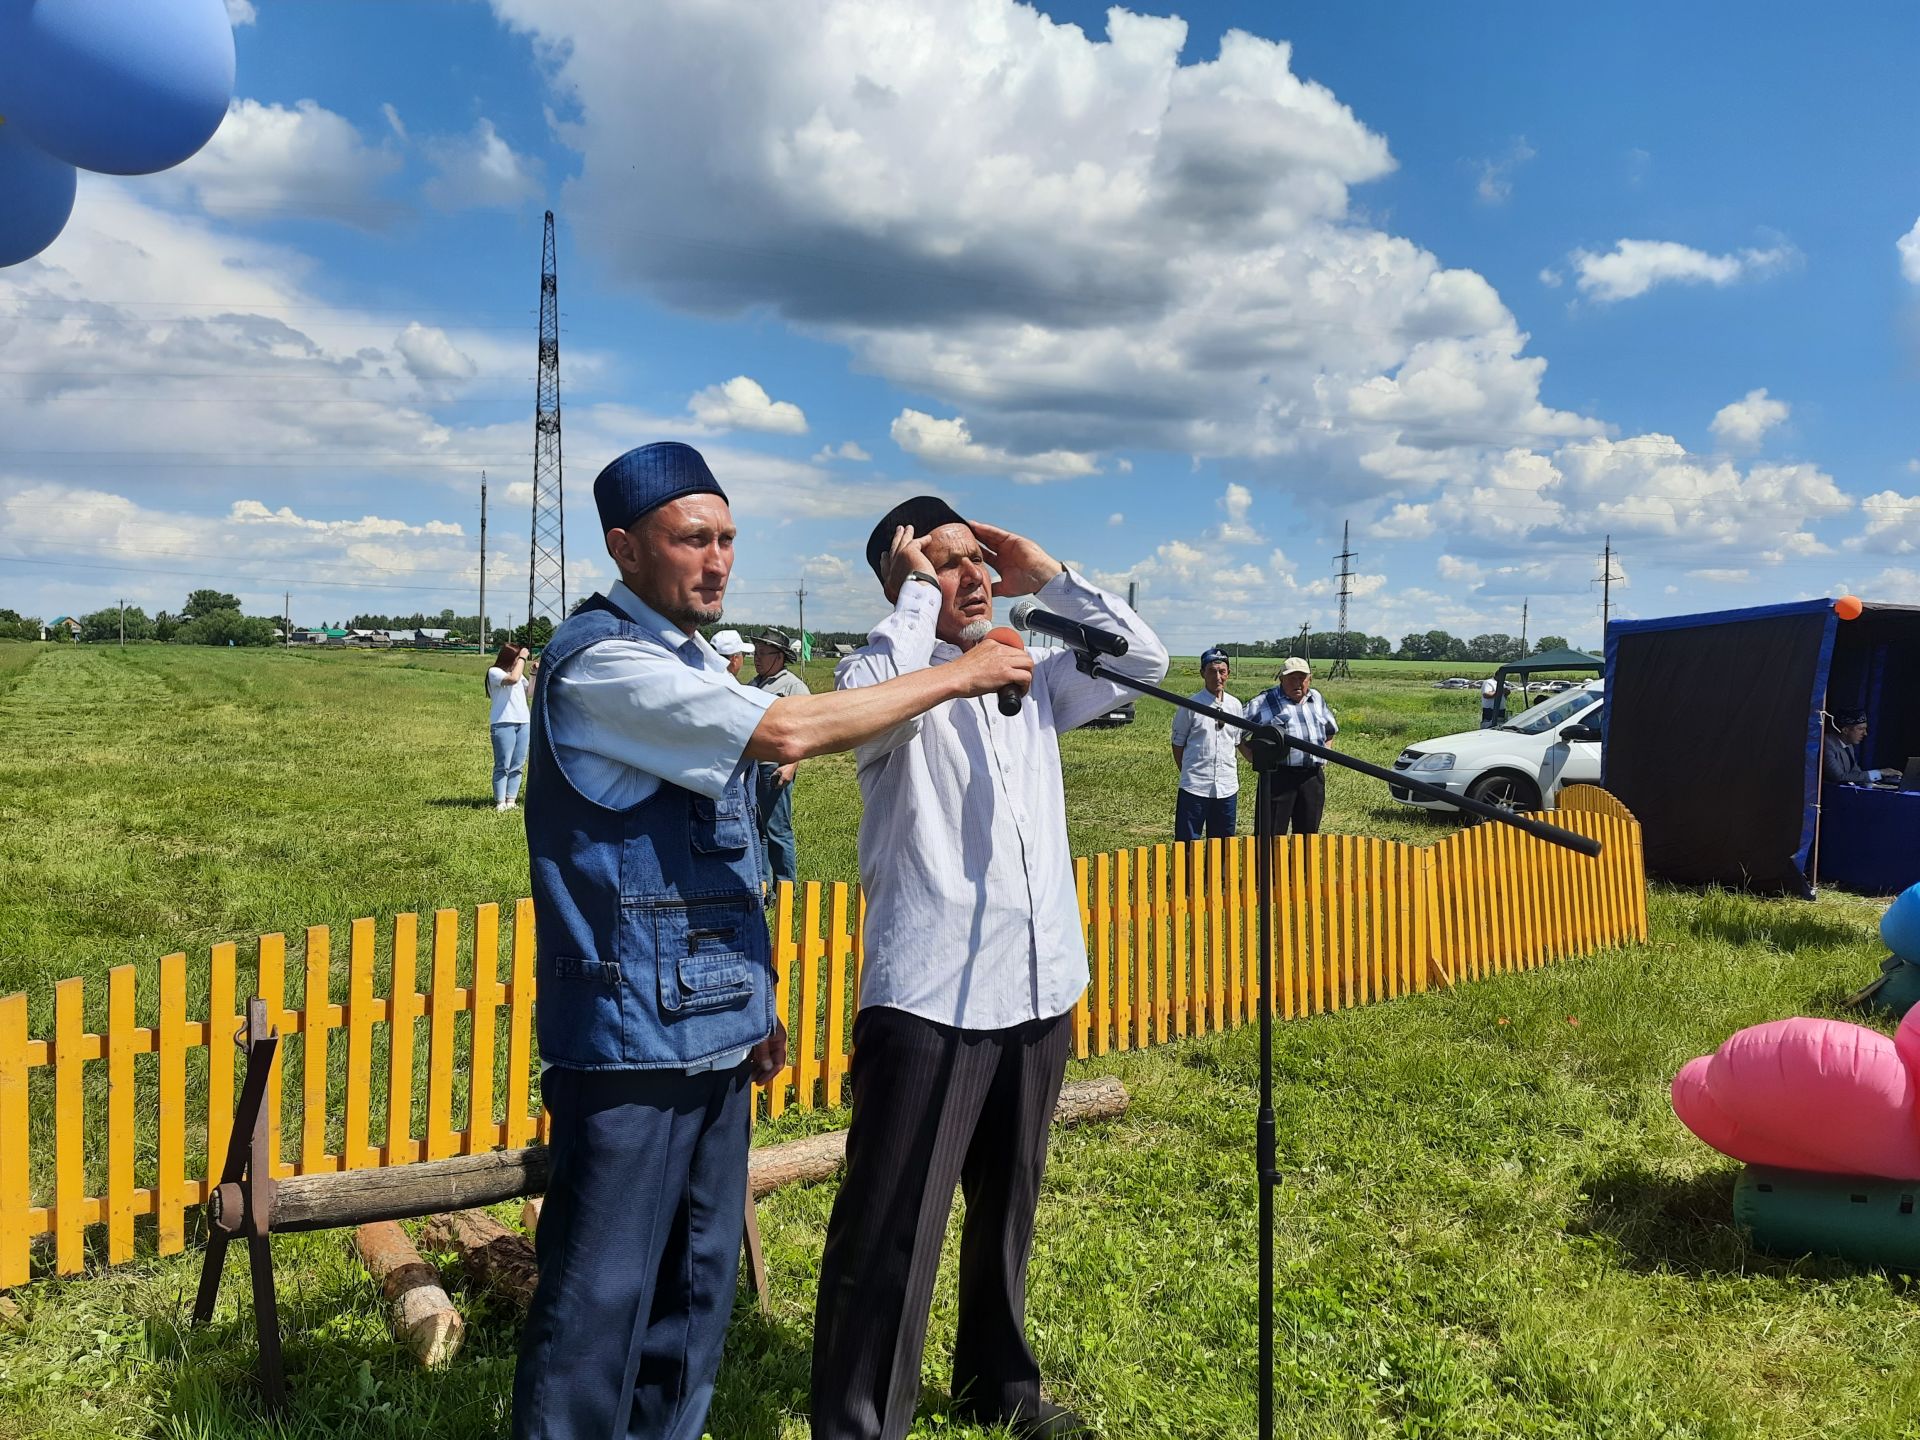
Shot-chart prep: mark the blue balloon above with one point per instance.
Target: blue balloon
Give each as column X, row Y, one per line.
column 126, row 87
column 36, row 196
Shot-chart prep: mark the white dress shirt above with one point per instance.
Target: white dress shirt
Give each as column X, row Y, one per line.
column 972, row 918
column 1210, row 754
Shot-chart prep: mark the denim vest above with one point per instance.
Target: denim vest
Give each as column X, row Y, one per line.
column 651, row 933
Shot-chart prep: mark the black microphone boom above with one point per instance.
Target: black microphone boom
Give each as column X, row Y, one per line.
column 1087, row 639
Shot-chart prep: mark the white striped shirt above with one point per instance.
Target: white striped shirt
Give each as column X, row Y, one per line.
column 1308, row 720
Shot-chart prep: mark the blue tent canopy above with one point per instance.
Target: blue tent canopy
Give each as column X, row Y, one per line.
column 1714, row 724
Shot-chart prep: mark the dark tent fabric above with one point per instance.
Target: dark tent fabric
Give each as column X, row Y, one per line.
column 1713, row 740
column 1713, row 729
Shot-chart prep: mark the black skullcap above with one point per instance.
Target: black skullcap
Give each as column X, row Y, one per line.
column 1843, row 718
column 925, row 513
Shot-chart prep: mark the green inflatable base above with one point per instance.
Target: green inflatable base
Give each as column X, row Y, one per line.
column 1856, row 1217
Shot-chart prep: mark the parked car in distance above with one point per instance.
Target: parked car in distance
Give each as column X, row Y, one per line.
column 1121, row 714
column 1521, row 764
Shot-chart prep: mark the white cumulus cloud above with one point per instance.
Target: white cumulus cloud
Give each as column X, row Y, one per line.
column 267, row 162
column 1742, row 425
column 1633, row 267
column 1909, row 248
column 479, row 171
column 742, row 403
column 1085, row 246
column 949, row 445
column 845, row 450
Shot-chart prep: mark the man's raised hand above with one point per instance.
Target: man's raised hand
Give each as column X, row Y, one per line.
column 904, row 556
column 1023, row 567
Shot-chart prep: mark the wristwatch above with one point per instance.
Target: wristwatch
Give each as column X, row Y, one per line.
column 926, row 577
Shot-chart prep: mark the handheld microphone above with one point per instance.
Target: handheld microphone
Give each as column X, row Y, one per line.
column 979, row 630
column 1085, row 638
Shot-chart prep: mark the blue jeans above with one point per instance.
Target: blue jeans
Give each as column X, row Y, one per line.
column 1193, row 814
column 776, row 826
column 509, row 759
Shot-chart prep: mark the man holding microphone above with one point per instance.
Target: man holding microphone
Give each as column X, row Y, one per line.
column 655, row 1003
column 974, row 958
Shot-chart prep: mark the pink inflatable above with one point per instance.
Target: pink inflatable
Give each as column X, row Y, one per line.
column 1810, row 1095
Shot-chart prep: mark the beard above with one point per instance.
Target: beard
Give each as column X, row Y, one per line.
column 690, row 614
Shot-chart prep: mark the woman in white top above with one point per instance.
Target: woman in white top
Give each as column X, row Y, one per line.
column 507, row 689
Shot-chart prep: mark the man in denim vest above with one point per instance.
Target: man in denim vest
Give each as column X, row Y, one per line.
column 655, row 998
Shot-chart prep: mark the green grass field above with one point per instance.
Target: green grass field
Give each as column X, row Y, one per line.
column 1491, row 1225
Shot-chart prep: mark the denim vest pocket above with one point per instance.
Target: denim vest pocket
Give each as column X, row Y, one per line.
column 723, row 826
column 583, row 1003
column 703, row 955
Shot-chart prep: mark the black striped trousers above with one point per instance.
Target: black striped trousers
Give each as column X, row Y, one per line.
column 934, row 1105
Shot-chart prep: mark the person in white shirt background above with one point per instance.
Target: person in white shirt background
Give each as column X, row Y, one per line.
column 974, row 960
column 507, row 722
column 728, row 645
column 1206, row 753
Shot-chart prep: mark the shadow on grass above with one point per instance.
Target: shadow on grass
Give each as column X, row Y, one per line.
column 461, row 802
column 1783, row 927
column 764, row 1377
column 1682, row 1224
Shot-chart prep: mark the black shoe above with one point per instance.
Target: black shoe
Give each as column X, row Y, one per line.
column 1051, row 1422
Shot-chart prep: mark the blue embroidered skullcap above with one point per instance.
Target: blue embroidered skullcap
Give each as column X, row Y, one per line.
column 647, row 478
column 1215, row 653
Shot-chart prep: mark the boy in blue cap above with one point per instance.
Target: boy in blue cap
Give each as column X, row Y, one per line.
column 656, row 1003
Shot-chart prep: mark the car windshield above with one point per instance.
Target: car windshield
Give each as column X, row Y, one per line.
column 1544, row 717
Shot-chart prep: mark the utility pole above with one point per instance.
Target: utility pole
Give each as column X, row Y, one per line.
column 1306, row 642
column 482, row 644
column 1523, row 627
column 286, row 619
column 1605, row 581
column 123, row 624
column 1345, row 558
column 801, row 596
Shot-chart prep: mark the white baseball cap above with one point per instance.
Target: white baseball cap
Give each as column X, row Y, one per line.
column 1296, row 666
column 728, row 643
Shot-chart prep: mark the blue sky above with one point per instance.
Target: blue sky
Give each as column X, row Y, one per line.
column 1176, row 297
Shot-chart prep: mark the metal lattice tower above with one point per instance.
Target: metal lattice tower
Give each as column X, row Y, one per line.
column 1346, row 558
column 547, row 565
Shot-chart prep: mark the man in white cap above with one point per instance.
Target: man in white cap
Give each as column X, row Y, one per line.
column 728, row 645
column 772, row 649
column 1300, row 784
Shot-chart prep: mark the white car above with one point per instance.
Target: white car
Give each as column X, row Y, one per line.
column 1520, row 765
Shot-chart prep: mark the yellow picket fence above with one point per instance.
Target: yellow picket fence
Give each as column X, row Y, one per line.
column 1172, row 938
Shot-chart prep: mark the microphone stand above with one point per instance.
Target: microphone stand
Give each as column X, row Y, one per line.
column 1267, row 747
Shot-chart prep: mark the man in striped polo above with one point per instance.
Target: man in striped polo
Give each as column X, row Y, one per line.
column 1299, row 791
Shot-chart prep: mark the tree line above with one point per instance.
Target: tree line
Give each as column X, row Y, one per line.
column 1491, row 649
column 213, row 617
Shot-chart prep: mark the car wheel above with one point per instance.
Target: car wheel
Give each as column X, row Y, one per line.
column 1506, row 790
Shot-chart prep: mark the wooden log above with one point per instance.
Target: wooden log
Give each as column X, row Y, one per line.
column 498, row 1258
column 406, row 1192
column 465, row 1182
column 422, row 1316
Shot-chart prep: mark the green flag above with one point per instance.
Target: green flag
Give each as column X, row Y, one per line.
column 806, row 647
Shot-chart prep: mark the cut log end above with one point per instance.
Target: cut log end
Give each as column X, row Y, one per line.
column 421, row 1313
